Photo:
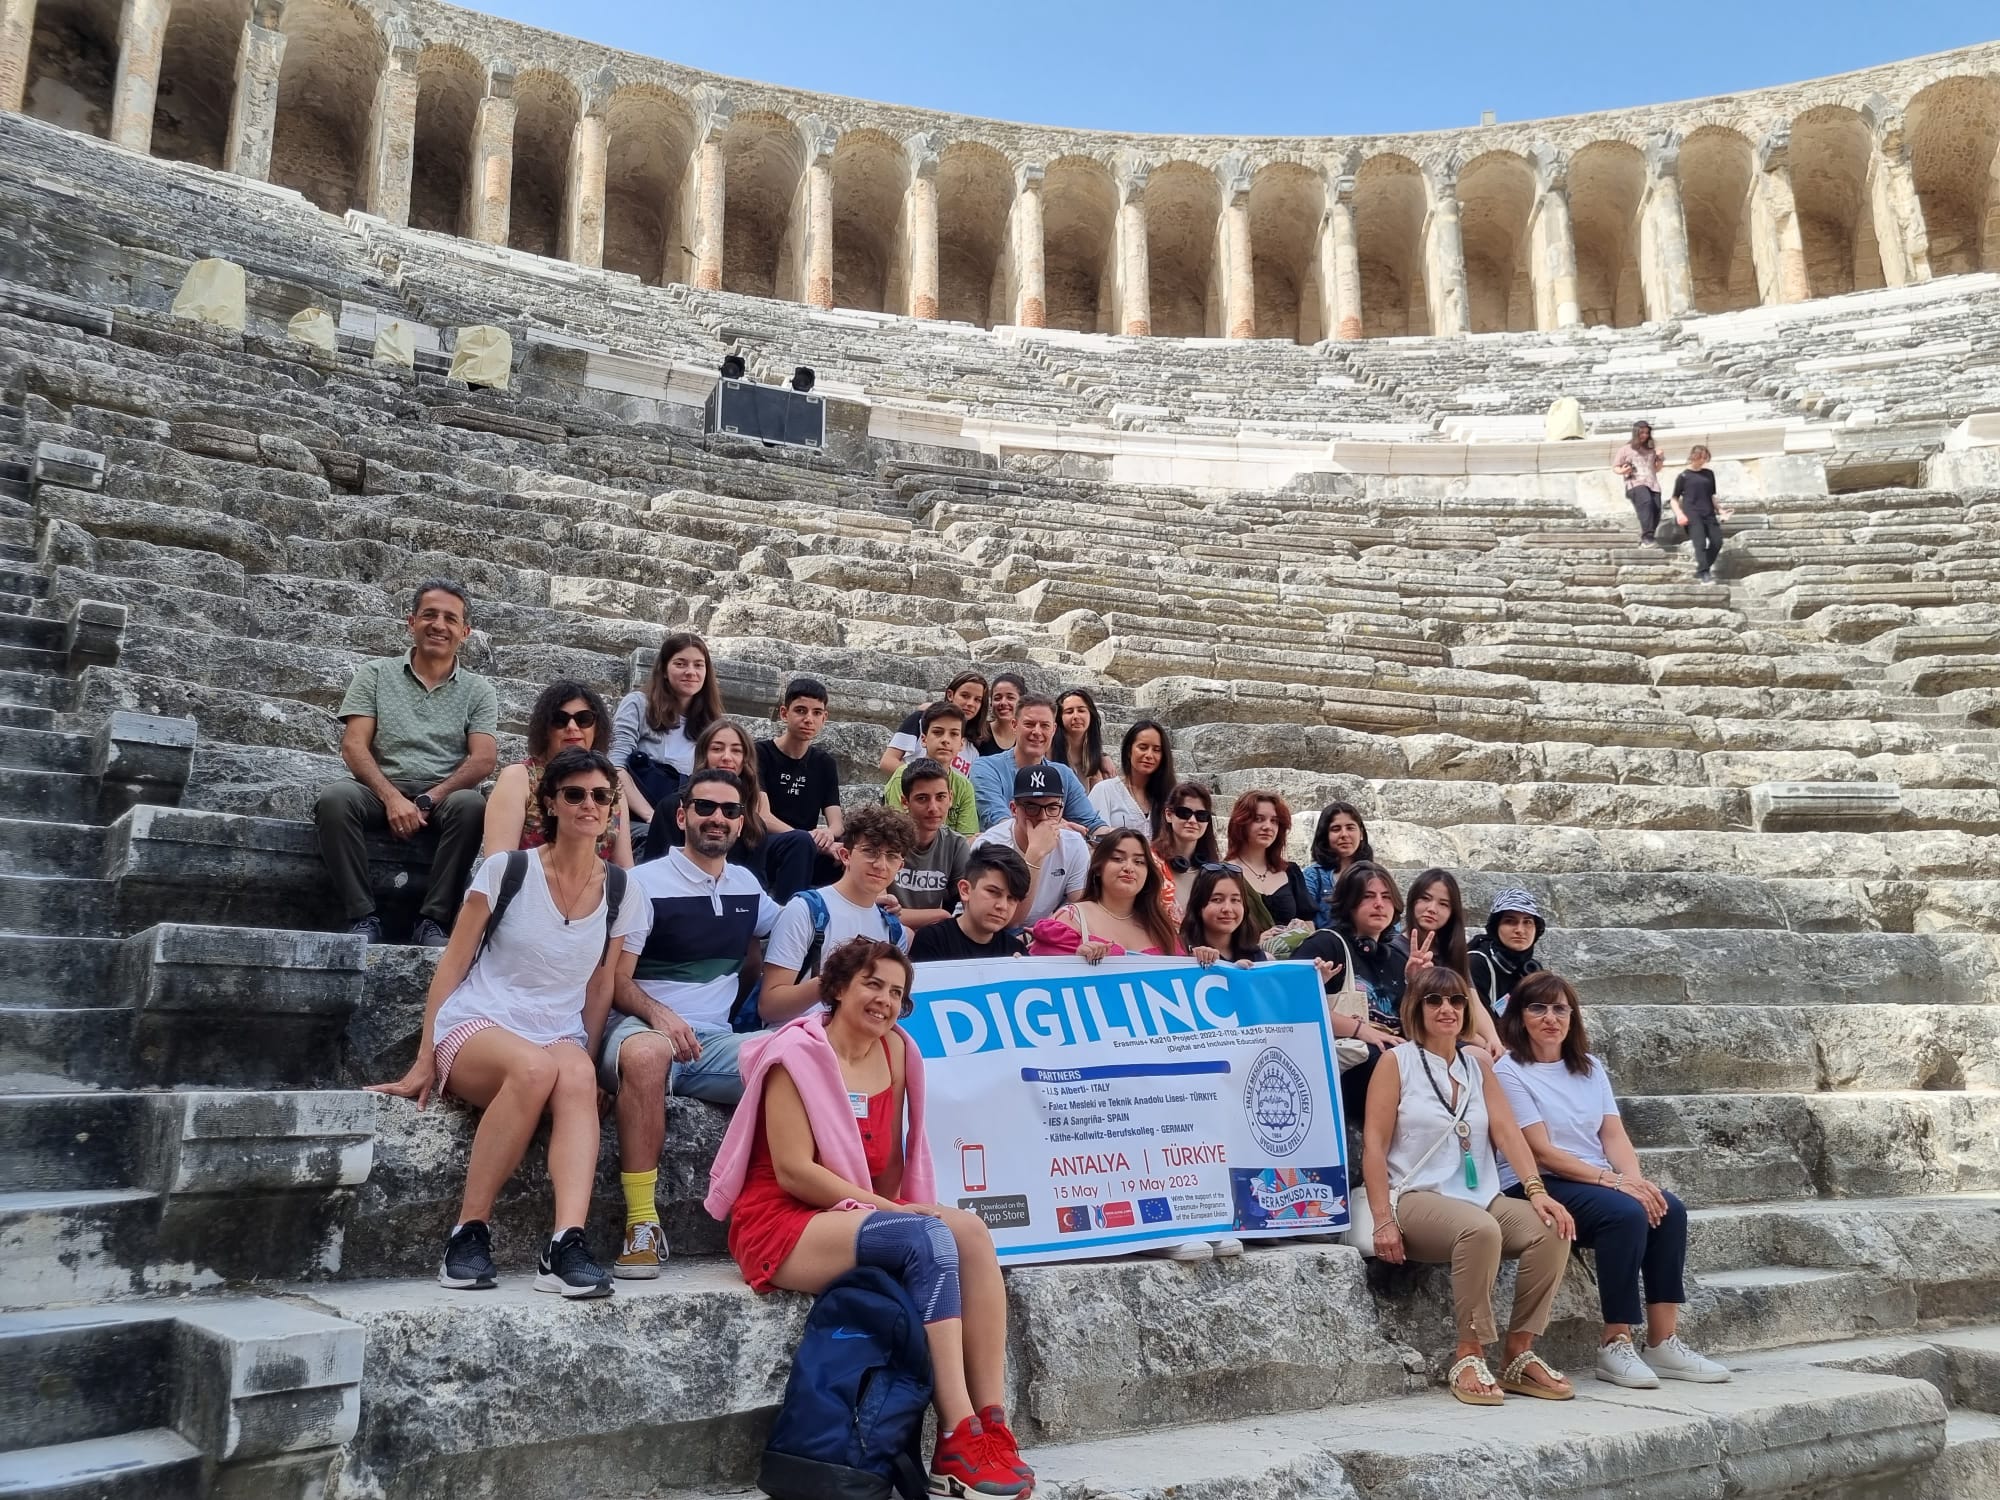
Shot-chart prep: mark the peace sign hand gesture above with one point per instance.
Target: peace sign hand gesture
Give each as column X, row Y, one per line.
column 1420, row 953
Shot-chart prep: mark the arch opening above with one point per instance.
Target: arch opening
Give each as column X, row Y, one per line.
column 1183, row 207
column 326, row 97
column 870, row 177
column 1718, row 174
column 649, row 140
column 72, row 64
column 1390, row 206
column 1496, row 204
column 545, row 116
column 1287, row 202
column 1832, row 152
column 1607, row 187
column 763, row 164
column 197, row 80
column 1953, row 130
column 450, row 84
column 975, row 192
column 1079, row 231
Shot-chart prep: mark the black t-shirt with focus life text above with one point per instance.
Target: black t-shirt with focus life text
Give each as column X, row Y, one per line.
column 800, row 790
column 1695, row 489
column 948, row 940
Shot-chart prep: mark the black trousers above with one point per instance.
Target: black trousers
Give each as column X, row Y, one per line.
column 1705, row 536
column 1646, row 506
column 347, row 812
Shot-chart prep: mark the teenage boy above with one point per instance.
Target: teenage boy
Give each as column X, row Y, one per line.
column 801, row 781
column 990, row 892
column 873, row 847
column 993, row 776
column 418, row 741
column 1058, row 858
column 943, row 734
column 675, row 986
column 1695, row 508
column 926, row 884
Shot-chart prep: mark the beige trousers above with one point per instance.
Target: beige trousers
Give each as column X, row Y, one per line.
column 1450, row 1231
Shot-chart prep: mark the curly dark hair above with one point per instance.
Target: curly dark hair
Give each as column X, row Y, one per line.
column 567, row 766
column 854, row 958
column 541, row 718
column 884, row 827
column 1540, row 989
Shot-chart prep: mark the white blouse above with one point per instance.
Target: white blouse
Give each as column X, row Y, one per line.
column 1118, row 807
column 1421, row 1117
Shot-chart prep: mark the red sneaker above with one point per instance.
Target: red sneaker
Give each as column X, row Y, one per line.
column 994, row 1420
column 970, row 1462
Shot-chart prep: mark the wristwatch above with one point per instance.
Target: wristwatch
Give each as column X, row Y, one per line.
column 422, row 802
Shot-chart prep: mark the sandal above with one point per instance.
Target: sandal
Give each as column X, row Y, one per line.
column 1483, row 1374
column 1513, row 1380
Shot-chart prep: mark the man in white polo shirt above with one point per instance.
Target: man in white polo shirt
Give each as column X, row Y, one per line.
column 1057, row 856
column 670, row 1029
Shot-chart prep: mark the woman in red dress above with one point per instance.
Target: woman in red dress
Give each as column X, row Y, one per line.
column 812, row 1176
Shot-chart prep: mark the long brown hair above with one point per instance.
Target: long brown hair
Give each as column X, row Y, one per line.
column 975, row 724
column 753, row 795
column 1147, row 908
column 703, row 709
column 1450, row 941
column 1194, row 933
column 1541, row 988
column 1205, row 851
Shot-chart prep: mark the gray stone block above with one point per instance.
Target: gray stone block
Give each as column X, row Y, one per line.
column 58, row 465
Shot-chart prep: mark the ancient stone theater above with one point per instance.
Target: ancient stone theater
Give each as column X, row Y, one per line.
column 1303, row 449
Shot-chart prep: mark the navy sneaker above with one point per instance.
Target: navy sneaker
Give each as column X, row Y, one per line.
column 468, row 1259
column 368, row 929
column 567, row 1267
column 427, row 934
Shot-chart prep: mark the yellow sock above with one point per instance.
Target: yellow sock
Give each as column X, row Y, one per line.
column 639, row 1205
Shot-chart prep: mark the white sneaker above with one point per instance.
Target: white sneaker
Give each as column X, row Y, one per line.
column 1620, row 1364
column 1191, row 1250
column 1670, row 1359
column 1227, row 1246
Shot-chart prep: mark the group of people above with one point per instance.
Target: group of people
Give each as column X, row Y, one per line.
column 652, row 903
column 1638, row 465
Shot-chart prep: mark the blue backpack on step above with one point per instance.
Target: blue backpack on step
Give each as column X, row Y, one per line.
column 852, row 1423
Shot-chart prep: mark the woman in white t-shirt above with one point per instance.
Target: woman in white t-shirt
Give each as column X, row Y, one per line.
column 514, row 1011
column 1561, row 1095
column 1137, row 796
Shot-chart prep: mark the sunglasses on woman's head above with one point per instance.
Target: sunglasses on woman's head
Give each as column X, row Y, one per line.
column 575, row 795
column 1213, row 868
column 583, row 718
column 1193, row 814
column 705, row 808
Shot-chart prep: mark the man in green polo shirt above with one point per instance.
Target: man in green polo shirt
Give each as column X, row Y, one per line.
column 418, row 742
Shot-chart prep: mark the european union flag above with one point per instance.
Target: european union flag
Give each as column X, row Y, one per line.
column 1155, row 1211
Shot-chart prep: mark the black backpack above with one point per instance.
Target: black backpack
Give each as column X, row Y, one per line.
column 510, row 887
column 852, row 1423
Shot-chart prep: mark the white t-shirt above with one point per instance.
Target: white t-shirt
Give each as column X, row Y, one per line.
column 1571, row 1105
column 1118, row 807
column 1060, row 878
column 532, row 976
column 1421, row 1119
column 793, row 935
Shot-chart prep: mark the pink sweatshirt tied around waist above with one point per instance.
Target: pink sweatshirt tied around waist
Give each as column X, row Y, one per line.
column 801, row 1048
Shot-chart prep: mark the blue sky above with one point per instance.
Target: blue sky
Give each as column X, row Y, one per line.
column 1288, row 67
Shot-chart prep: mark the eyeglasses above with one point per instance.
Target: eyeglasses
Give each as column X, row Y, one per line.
column 583, row 718
column 1439, row 1002
column 1192, row 814
column 1040, row 812
column 575, row 795
column 1213, row 868
column 1554, row 1008
column 703, row 807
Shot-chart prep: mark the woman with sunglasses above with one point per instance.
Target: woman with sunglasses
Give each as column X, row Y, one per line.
column 515, row 1009
column 1436, row 1114
column 1561, row 1095
column 1186, row 839
column 569, row 715
column 1121, row 911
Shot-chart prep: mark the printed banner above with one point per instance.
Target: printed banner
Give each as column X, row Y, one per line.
column 1090, row 1110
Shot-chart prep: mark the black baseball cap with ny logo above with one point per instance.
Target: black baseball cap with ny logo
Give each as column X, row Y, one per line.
column 1037, row 781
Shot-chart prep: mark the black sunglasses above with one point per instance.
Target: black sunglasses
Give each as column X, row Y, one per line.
column 1193, row 814
column 703, row 807
column 574, row 795
column 583, row 718
column 1214, row 868
column 1439, row 1002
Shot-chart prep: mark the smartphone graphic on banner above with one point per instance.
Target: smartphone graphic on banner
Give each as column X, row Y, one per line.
column 972, row 1168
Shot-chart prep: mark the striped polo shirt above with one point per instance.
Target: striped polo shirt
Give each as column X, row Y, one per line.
column 702, row 927
column 420, row 732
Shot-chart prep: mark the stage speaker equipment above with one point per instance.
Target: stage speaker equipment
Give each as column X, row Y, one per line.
column 768, row 413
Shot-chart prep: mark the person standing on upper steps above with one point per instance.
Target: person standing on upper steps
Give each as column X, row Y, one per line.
column 419, row 739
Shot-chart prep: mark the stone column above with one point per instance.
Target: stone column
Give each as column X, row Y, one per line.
column 1345, row 256
column 392, row 131
column 1135, row 273
column 253, row 116
column 1556, row 304
column 1900, row 232
column 710, row 198
column 1031, row 302
column 1239, row 286
column 819, row 217
column 489, row 186
column 1444, row 255
column 920, row 225
column 142, row 37
column 17, row 36
column 1776, row 242
column 1663, row 233
column 583, row 204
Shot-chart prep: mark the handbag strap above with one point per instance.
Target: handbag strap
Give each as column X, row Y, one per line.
column 1464, row 1108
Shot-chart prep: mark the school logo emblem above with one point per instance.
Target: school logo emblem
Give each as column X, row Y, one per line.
column 1278, row 1102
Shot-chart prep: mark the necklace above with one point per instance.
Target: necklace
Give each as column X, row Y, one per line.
column 1459, row 1126
column 564, row 903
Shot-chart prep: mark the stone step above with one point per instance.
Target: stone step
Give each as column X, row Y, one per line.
column 56, row 970
column 41, row 750
column 61, row 796
column 33, row 846
column 26, row 716
column 84, row 1362
column 47, row 1049
column 34, row 688
column 154, row 1463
